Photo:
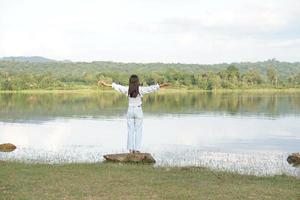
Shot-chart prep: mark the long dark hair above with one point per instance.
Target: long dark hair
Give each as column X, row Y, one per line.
column 134, row 83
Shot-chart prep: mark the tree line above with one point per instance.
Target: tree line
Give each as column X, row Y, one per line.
column 229, row 78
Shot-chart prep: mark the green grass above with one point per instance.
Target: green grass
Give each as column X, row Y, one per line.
column 117, row 181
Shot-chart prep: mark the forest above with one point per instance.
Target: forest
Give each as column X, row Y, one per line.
column 16, row 75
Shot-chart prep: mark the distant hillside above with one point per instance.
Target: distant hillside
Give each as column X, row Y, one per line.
column 77, row 69
column 15, row 75
column 27, row 59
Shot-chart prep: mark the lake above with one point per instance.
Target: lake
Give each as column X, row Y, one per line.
column 248, row 133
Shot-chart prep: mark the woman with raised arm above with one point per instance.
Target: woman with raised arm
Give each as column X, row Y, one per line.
column 135, row 93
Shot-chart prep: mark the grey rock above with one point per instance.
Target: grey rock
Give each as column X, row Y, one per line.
column 294, row 159
column 7, row 147
column 130, row 158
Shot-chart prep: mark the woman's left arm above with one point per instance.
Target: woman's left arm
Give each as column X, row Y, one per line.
column 118, row 87
column 104, row 83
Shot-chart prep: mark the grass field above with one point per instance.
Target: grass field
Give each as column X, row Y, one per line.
column 119, row 181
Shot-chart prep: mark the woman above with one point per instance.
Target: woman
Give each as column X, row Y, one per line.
column 134, row 112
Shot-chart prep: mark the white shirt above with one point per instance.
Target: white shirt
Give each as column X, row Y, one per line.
column 135, row 101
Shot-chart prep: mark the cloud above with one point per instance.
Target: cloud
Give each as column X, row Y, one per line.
column 245, row 20
column 151, row 31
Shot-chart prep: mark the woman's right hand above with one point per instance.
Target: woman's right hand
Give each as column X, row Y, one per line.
column 164, row 85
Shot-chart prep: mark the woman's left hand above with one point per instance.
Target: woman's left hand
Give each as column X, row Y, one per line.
column 103, row 83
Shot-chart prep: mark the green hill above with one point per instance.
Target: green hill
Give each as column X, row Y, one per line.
column 36, row 74
column 27, row 59
column 284, row 69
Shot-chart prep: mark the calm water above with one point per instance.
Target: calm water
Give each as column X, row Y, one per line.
column 246, row 133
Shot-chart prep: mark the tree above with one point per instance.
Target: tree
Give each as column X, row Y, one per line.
column 213, row 81
column 233, row 72
column 272, row 75
column 252, row 77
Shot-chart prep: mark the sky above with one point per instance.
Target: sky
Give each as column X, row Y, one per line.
column 169, row 31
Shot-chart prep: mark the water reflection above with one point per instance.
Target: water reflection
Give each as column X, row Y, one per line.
column 42, row 107
column 205, row 132
column 246, row 133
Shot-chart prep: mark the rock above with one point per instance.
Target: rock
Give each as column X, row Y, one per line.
column 294, row 159
column 7, row 147
column 130, row 158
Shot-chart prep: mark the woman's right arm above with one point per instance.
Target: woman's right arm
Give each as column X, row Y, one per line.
column 152, row 88
column 163, row 85
column 149, row 89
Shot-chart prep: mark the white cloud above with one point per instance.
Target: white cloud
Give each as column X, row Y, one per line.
column 151, row 31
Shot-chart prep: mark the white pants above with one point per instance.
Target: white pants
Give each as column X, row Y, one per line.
column 134, row 126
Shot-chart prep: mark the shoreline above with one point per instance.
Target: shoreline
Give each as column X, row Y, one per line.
column 163, row 90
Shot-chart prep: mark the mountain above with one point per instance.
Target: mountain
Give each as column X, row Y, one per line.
column 27, row 59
